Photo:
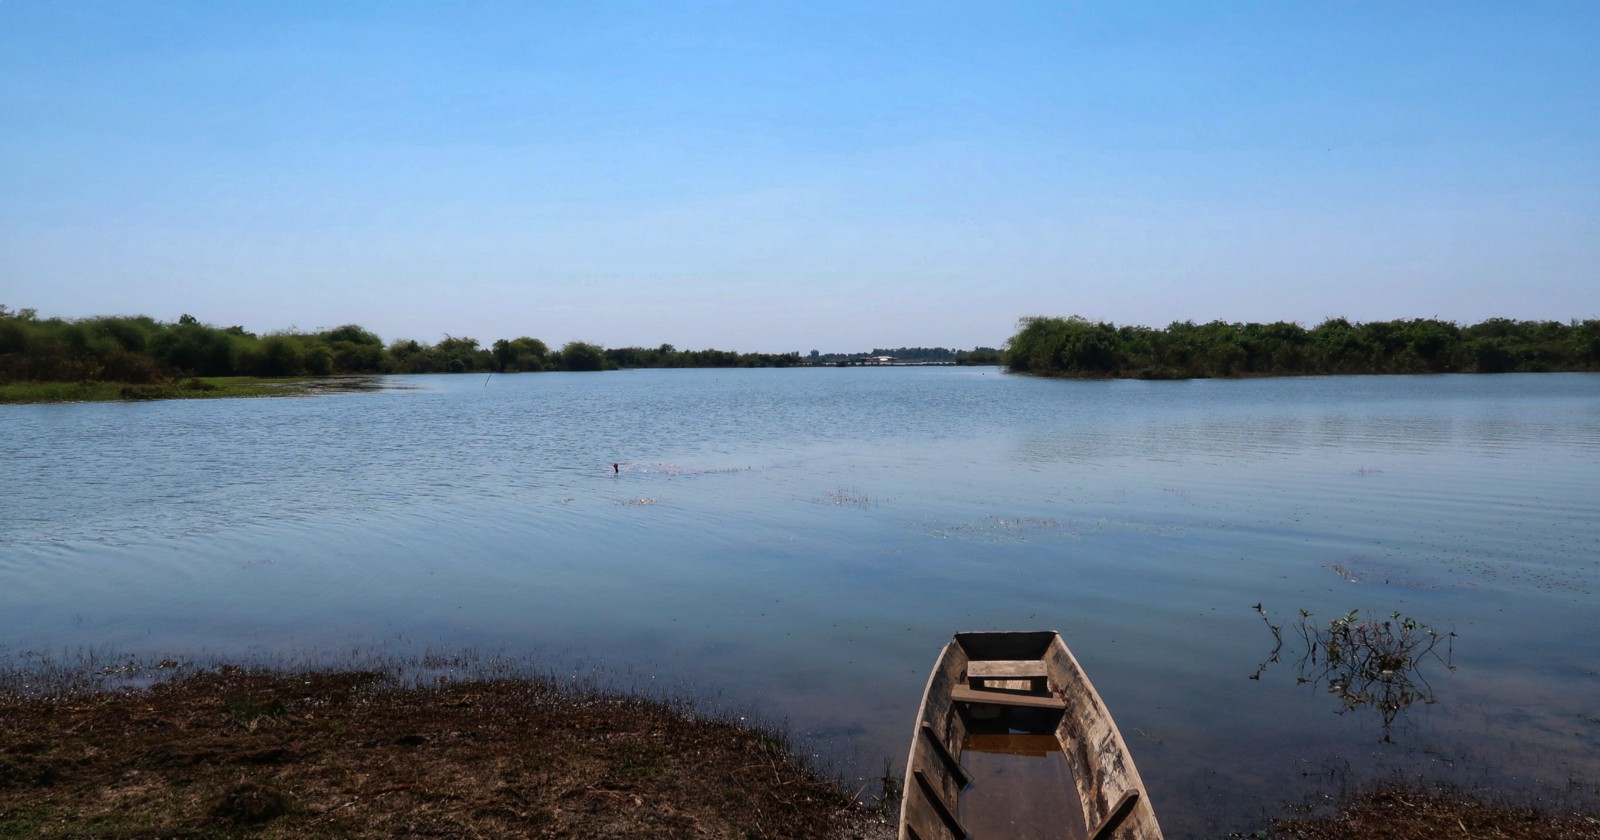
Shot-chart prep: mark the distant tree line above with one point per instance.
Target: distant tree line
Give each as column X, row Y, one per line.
column 667, row 356
column 975, row 356
column 142, row 350
column 1077, row 347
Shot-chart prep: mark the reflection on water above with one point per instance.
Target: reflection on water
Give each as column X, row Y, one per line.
column 798, row 540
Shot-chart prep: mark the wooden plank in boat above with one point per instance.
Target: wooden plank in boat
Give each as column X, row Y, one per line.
column 1005, row 669
column 964, row 694
column 1007, row 744
column 951, row 764
column 1117, row 814
column 931, row 796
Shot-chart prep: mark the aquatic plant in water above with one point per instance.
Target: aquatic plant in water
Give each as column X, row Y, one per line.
column 1367, row 661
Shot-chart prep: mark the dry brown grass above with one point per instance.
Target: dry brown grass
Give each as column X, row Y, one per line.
column 1406, row 813
column 233, row 752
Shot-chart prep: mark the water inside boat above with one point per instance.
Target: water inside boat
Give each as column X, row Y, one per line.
column 1021, row 787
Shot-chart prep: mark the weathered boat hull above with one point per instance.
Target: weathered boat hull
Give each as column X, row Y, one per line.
column 998, row 694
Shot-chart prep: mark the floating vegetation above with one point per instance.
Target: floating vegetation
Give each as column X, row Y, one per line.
column 1366, row 661
column 1023, row 523
column 349, row 384
column 1107, row 525
column 1342, row 572
column 846, row 497
column 636, row 502
column 1358, row 569
column 674, row 470
column 1499, row 573
column 997, row 529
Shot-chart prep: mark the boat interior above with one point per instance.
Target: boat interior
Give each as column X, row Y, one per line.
column 1003, row 747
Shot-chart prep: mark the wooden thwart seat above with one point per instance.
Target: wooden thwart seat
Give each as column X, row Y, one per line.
column 995, row 697
column 1006, row 669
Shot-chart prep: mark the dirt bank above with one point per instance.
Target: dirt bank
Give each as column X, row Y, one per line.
column 234, row 752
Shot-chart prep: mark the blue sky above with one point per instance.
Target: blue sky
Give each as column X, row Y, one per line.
column 790, row 176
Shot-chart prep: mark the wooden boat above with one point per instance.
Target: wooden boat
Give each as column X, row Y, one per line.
column 1013, row 742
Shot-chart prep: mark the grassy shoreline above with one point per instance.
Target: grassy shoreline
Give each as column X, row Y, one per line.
column 209, row 387
column 1406, row 811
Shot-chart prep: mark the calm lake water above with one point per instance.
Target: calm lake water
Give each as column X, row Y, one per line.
column 802, row 542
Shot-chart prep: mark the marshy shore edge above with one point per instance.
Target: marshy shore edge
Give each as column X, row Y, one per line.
column 226, row 751
column 173, row 750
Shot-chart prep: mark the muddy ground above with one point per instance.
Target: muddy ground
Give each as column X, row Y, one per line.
column 234, row 752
